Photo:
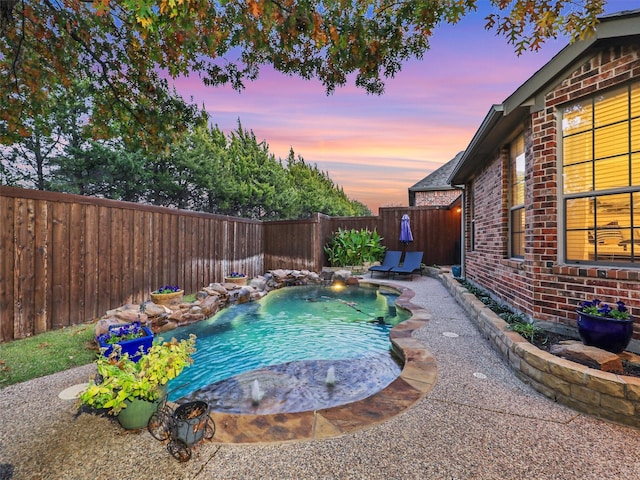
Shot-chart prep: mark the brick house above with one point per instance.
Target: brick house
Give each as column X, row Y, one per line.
column 434, row 189
column 552, row 182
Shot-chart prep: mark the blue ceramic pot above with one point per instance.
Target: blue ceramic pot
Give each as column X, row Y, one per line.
column 606, row 333
column 134, row 347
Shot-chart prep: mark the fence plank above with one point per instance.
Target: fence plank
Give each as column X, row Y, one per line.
column 7, row 267
column 42, row 293
column 60, row 279
column 115, row 236
column 104, row 259
column 91, row 294
column 127, row 265
column 137, row 256
column 24, row 307
column 76, row 261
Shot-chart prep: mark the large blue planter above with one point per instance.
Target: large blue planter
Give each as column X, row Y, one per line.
column 135, row 347
column 606, row 333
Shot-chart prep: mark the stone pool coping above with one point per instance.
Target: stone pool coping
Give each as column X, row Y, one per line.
column 588, row 390
column 416, row 379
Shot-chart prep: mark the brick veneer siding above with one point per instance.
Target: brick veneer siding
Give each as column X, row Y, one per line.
column 436, row 198
column 540, row 285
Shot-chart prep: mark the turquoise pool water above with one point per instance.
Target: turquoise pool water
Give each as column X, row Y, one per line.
column 293, row 324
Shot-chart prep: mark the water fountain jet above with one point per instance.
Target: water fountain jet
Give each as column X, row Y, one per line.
column 330, row 381
column 256, row 393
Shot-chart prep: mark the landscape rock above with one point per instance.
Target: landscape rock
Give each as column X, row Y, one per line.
column 176, row 316
column 154, row 310
column 102, row 326
column 341, row 276
column 130, row 316
column 590, row 356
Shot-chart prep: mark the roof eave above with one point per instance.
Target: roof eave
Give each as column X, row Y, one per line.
column 526, row 99
column 609, row 27
column 465, row 167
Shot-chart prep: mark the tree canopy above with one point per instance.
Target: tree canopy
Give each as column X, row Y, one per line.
column 126, row 49
column 202, row 170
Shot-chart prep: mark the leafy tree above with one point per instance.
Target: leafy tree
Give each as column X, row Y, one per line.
column 237, row 175
column 101, row 169
column 262, row 188
column 318, row 193
column 126, row 48
column 29, row 160
column 190, row 175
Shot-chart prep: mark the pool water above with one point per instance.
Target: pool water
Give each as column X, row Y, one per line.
column 292, row 324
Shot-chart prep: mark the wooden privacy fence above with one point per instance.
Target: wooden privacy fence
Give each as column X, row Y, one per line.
column 299, row 243
column 66, row 259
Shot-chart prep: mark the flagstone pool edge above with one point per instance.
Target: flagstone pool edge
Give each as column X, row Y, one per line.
column 416, row 379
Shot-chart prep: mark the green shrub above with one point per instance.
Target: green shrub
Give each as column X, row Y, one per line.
column 354, row 247
column 527, row 330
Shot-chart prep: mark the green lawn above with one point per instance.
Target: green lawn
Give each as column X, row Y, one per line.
column 46, row 353
column 50, row 352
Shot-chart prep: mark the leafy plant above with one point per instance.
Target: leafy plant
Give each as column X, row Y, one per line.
column 511, row 317
column 354, row 247
column 119, row 378
column 516, row 321
column 527, row 330
column 599, row 309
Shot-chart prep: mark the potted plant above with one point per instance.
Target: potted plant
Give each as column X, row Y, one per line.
column 133, row 390
column 168, row 295
column 237, row 278
column 133, row 339
column 602, row 326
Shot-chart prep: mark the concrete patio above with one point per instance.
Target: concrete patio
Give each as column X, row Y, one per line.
column 477, row 422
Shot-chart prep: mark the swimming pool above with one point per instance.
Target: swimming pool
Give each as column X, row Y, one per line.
column 302, row 331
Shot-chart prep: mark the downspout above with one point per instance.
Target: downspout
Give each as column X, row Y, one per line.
column 463, row 213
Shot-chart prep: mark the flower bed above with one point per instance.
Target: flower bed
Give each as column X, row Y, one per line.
column 601, row 394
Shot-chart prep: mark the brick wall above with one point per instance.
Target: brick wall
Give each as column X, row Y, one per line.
column 540, row 285
column 437, row 198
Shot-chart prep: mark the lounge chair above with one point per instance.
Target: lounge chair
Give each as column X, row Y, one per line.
column 391, row 259
column 412, row 263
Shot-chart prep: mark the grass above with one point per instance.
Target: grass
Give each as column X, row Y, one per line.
column 50, row 352
column 46, row 353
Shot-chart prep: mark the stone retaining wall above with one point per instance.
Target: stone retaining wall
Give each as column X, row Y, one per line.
column 601, row 394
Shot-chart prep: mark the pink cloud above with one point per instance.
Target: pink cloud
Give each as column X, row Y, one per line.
column 376, row 147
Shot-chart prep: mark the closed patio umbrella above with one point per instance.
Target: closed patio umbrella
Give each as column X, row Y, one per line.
column 405, row 231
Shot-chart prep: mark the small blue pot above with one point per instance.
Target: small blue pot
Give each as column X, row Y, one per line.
column 135, row 347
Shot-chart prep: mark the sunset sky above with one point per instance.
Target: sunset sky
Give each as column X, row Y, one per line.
column 376, row 147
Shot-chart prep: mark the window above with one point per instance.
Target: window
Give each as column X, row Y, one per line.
column 472, row 214
column 601, row 177
column 516, row 197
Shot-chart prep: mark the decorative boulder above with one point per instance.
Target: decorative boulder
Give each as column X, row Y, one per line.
column 342, row 276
